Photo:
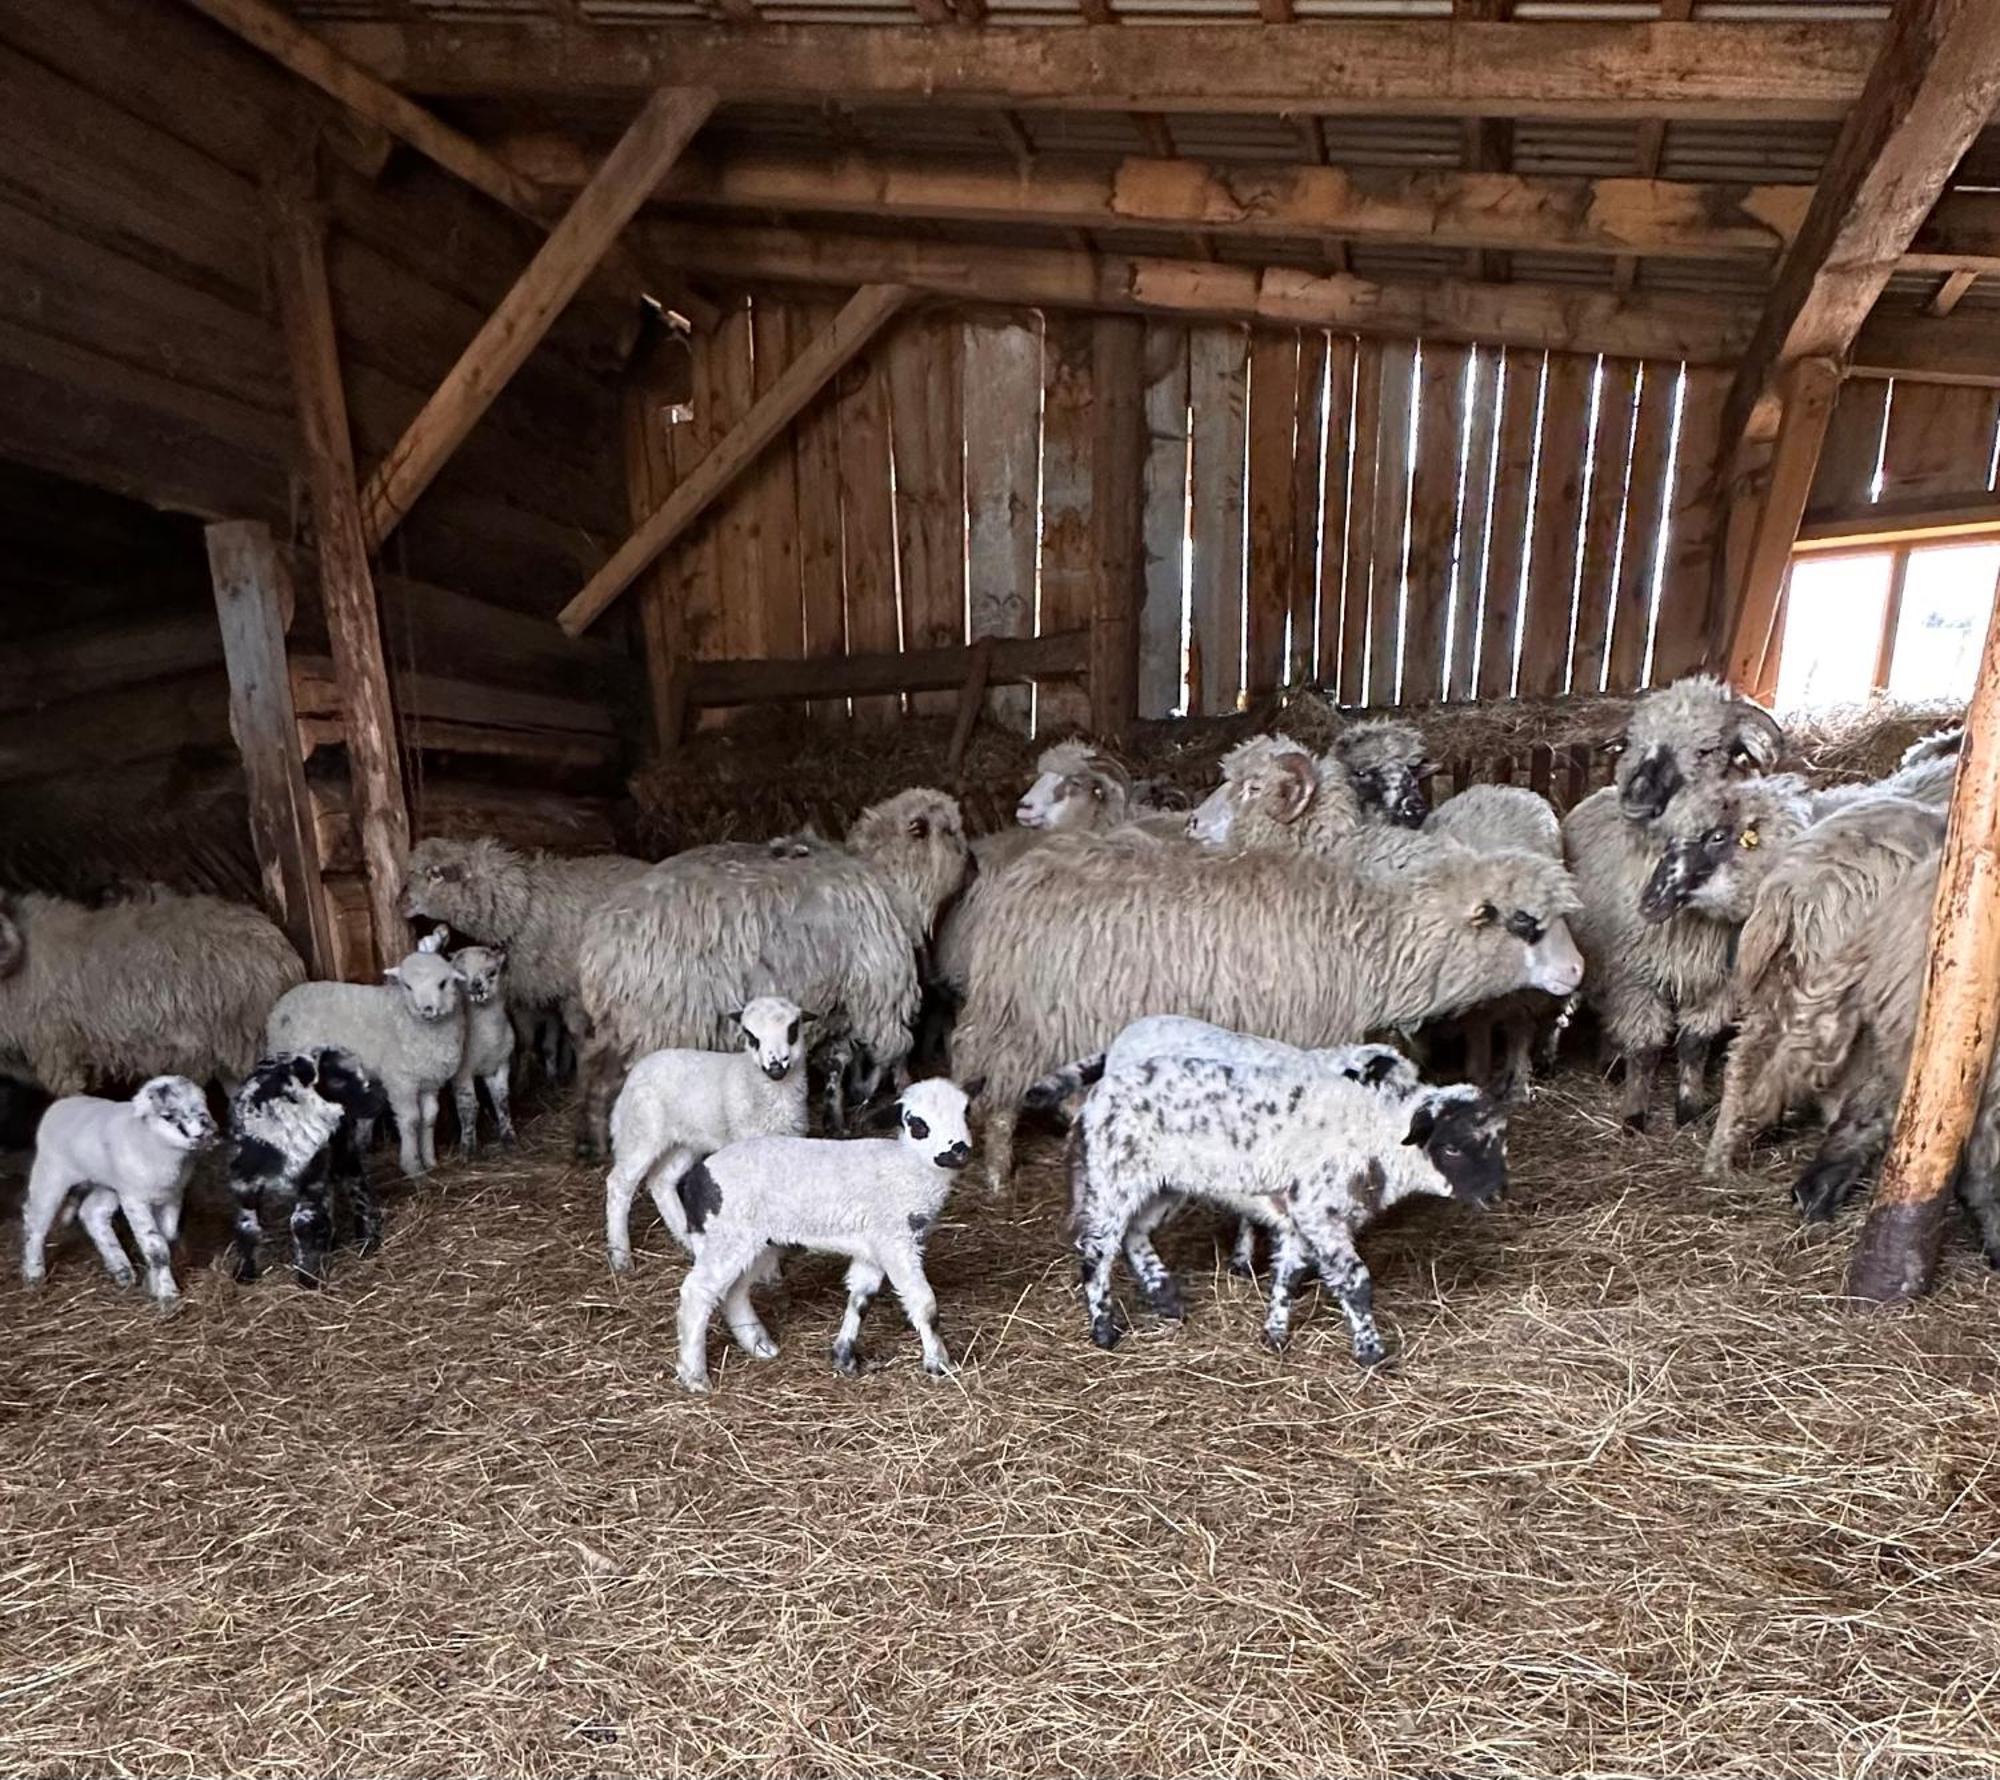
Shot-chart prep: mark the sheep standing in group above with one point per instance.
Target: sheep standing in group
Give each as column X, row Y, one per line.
column 1086, row 936
column 678, row 1107
column 488, row 1056
column 1275, row 797
column 1654, row 983
column 408, row 1032
column 1388, row 765
column 294, row 1127
column 873, row 1200
column 165, row 985
column 1287, row 1138
column 95, row 1158
column 667, row 962
column 534, row 905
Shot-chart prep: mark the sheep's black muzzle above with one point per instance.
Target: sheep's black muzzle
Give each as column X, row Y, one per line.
column 956, row 1157
column 1650, row 786
column 1681, row 872
column 776, row 1071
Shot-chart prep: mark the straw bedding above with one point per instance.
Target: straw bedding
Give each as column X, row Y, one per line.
column 1641, row 1496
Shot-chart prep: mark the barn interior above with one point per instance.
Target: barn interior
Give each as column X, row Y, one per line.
column 624, row 425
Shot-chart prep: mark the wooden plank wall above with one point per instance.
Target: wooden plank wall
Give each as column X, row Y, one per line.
column 1931, row 443
column 1401, row 521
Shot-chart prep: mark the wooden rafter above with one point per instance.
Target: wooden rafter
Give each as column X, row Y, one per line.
column 664, row 126
column 1951, row 292
column 866, row 313
column 1932, row 89
column 1397, row 67
column 1504, row 314
column 1963, row 348
column 1649, row 144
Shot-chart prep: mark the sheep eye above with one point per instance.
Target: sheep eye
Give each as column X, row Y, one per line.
column 1097, row 791
column 917, row 1128
column 1450, row 1149
column 1523, row 925
column 1718, row 837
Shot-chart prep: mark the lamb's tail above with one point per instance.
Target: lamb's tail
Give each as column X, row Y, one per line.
column 1059, row 1084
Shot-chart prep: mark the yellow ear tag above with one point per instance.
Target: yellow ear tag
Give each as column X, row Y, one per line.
column 1748, row 838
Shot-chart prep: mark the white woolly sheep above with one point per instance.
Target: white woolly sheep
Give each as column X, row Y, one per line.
column 1282, row 1137
column 532, row 904
column 1089, row 935
column 489, row 1045
column 874, row 1200
column 407, row 1031
column 667, row 962
column 94, row 1158
column 1274, row 795
column 677, row 1107
column 167, row 985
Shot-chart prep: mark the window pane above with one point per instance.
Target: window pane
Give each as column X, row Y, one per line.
column 1947, row 598
column 1833, row 629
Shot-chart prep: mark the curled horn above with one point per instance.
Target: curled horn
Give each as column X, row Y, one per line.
column 1298, row 782
column 1759, row 735
column 1111, row 769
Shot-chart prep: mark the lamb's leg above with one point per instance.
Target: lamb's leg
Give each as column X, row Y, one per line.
column 1288, row 1265
column 350, row 1165
column 465, row 1096
column 1691, row 1075
column 249, row 1231
column 503, row 1117
column 905, row 1268
column 1098, row 1245
column 1639, row 1067
column 48, row 1187
column 1979, row 1183
column 1852, row 1146
column 745, row 1326
column 1000, row 1147
column 1345, row 1275
column 427, row 1120
column 621, row 1187
column 864, row 1280
column 1517, row 1075
column 312, row 1227
column 664, row 1185
column 100, row 1206
column 1243, row 1254
column 1156, row 1280
column 405, row 1103
column 707, row 1280
column 1738, row 1069
column 159, row 1258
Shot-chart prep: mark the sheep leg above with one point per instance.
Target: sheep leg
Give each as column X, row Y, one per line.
column 701, row 1291
column 1243, row 1253
column 99, row 1206
column 1156, row 1281
column 664, row 1185
column 249, row 1228
column 1098, row 1245
column 1517, row 1075
column 48, row 1187
column 503, row 1117
column 1288, row 1265
column 905, row 1268
column 1639, row 1067
column 621, row 1187
column 744, row 1325
column 312, row 1228
column 465, row 1096
column 523, row 1020
column 1979, row 1184
column 598, row 1076
column 1478, row 1029
column 1726, row 1138
column 1851, row 1147
column 1690, row 1075
column 405, row 1104
column 864, row 1280
column 1000, row 1147
column 153, row 1247
column 1345, row 1275
column 427, row 1119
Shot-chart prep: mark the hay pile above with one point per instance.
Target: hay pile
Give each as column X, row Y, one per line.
column 1641, row 1497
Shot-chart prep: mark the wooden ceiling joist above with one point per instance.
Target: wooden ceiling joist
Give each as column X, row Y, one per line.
column 1932, row 89
column 1963, row 348
column 664, row 127
column 1529, row 315
column 1401, row 67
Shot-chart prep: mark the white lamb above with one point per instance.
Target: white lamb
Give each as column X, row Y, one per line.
column 132, row 1156
column 873, row 1200
column 405, row 1031
column 677, row 1107
column 489, row 1044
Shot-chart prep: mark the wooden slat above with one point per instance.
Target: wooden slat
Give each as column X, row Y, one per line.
column 1118, row 450
column 1068, row 554
column 1003, row 401
column 1481, row 440
column 1218, row 360
column 154, row 720
column 654, row 386
column 823, row 592
column 1545, row 617
column 1873, row 524
column 1364, row 431
column 1165, row 518
column 771, row 489
column 1510, row 528
column 77, row 659
column 1603, row 523
column 1853, row 447
column 1273, row 419
column 865, row 314
column 867, row 504
column 1333, row 561
column 927, row 425
column 696, row 552
column 739, row 565
column 1645, row 514
column 1680, row 644
column 1308, row 454
column 1939, row 443
column 1391, row 521
column 1051, row 656
column 1433, row 519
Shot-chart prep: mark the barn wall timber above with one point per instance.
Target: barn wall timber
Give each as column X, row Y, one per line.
column 1398, row 521
column 1930, row 444
column 138, row 350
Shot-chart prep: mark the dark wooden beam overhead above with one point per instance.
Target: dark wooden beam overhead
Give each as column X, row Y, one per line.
column 1812, row 69
column 1963, row 348
column 1932, row 89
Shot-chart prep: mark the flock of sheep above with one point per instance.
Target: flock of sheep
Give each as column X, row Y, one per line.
column 1198, row 990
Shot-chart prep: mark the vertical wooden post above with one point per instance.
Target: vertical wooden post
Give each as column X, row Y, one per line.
column 1897, row 1255
column 1118, row 518
column 1810, row 388
column 658, row 379
column 298, row 259
column 253, row 604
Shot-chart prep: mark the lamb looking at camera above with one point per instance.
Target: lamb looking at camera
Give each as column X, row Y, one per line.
column 1286, row 1138
column 489, row 1045
column 874, row 1200
column 678, row 1107
column 94, row 1158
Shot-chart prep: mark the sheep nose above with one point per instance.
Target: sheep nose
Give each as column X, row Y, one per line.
column 1412, row 807
column 956, row 1157
column 776, row 1071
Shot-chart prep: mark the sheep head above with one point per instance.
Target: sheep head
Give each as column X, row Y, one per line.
column 1512, row 909
column 13, row 942
column 431, row 985
column 484, row 969
column 1694, row 732
column 1722, row 841
column 917, row 840
column 1387, row 764
column 1268, row 784
column 1077, row 788
column 1463, row 1134
column 176, row 1111
column 479, row 886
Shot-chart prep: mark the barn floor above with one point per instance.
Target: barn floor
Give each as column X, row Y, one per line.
column 1640, row 1496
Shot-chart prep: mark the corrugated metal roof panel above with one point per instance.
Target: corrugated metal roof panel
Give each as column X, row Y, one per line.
column 1723, row 279
column 1594, row 151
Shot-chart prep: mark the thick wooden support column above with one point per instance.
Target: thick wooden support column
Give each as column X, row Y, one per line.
column 1897, row 1255
column 298, row 261
column 1117, row 518
column 253, row 604
column 866, row 313
column 1811, row 387
column 602, row 209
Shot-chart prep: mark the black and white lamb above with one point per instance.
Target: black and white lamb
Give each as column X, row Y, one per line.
column 1286, row 1138
column 296, row 1126
column 94, row 1158
column 678, row 1107
column 874, row 1200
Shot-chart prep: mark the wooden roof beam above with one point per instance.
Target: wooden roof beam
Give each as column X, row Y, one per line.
column 664, row 127
column 1397, row 67
column 1931, row 90
column 1964, row 348
column 1563, row 317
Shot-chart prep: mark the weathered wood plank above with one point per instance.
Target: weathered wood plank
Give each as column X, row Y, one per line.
column 1603, row 523
column 1939, row 442
column 1853, row 445
column 661, row 380
column 1218, row 360
column 1390, row 530
column 1333, row 560
column 771, row 487
column 1308, row 462
column 1509, row 531
column 1364, row 460
column 1069, row 568
column 867, row 503
column 1681, row 631
column 822, row 577
column 1273, row 421
column 1482, row 439
column 739, row 564
column 1645, row 515
column 1003, row 402
column 1118, row 449
column 1545, row 616
column 926, row 397
column 1054, row 655
column 1434, row 480
column 1165, row 519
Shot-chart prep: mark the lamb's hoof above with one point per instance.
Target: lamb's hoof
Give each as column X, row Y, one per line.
column 123, row 1278
column 1370, row 1355
column 697, row 1382
column 167, row 1302
column 1168, row 1308
column 1275, row 1341
column 847, row 1361
column 941, row 1369
column 468, row 1152
column 1241, row 1268
column 1105, row 1332
column 1635, row 1122
column 38, row 1278
column 245, row 1272
column 620, row 1263
column 508, row 1140
column 307, row 1280
column 762, row 1347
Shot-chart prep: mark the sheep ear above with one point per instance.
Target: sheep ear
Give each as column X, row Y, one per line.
column 394, row 974
column 1422, row 1122
column 1759, row 736
column 1485, row 915
column 975, row 1087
